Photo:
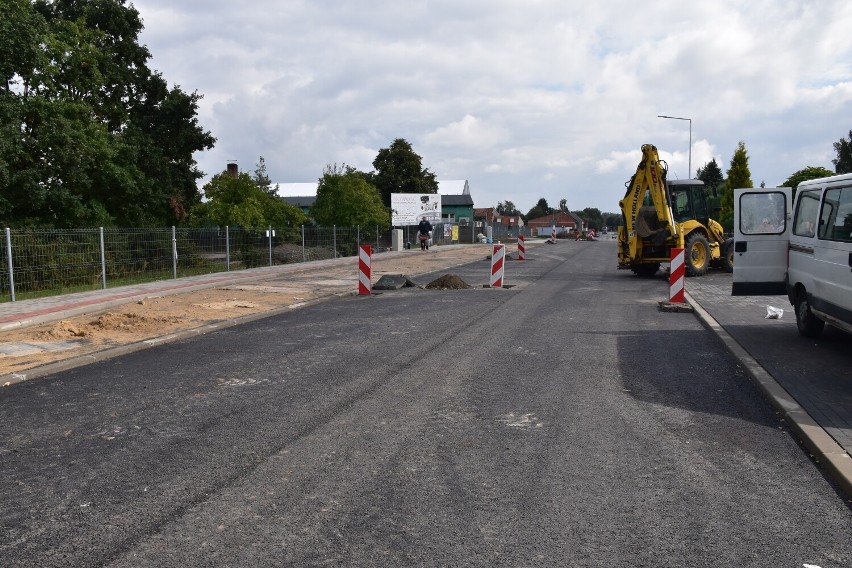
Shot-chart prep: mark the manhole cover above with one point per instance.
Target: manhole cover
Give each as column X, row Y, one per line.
column 393, row 282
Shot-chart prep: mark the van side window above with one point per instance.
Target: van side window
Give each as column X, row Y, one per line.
column 835, row 223
column 763, row 213
column 806, row 214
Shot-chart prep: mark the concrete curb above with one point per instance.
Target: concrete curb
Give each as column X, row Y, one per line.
column 824, row 449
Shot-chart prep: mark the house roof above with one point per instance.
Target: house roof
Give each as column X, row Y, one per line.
column 296, row 189
column 457, row 200
column 301, row 200
column 560, row 217
column 452, row 192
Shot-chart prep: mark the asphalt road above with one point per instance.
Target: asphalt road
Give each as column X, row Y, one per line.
column 565, row 421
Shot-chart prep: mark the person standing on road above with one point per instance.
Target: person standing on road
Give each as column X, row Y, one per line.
column 425, row 227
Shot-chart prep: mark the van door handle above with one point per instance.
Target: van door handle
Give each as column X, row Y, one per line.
column 850, row 259
column 741, row 246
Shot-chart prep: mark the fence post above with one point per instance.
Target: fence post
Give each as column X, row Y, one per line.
column 227, row 249
column 334, row 239
column 357, row 236
column 9, row 260
column 303, row 243
column 103, row 259
column 269, row 234
column 377, row 238
column 174, row 253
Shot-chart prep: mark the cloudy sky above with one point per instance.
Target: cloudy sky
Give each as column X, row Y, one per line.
column 525, row 99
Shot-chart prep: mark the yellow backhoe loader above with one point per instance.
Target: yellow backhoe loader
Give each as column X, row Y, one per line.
column 660, row 215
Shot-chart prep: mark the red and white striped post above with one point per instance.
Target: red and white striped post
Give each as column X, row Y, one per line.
column 522, row 248
column 498, row 255
column 676, row 274
column 365, row 284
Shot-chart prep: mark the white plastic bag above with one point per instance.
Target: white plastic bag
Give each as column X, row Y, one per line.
column 773, row 313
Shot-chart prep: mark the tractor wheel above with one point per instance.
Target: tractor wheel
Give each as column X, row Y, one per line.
column 697, row 255
column 809, row 325
column 645, row 270
column 728, row 255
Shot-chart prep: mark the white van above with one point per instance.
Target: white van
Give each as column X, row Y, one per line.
column 803, row 250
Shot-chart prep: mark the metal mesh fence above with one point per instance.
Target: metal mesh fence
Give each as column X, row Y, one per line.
column 39, row 262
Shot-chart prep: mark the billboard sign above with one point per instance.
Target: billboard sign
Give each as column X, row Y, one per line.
column 410, row 208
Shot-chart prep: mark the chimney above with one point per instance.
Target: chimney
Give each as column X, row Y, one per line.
column 233, row 169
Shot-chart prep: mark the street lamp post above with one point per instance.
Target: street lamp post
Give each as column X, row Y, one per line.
column 689, row 176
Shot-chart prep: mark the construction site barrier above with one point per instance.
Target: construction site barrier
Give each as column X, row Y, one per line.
column 676, row 275
column 522, row 248
column 365, row 255
column 498, row 255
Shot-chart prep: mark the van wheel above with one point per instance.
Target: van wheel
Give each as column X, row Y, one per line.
column 728, row 255
column 697, row 255
column 809, row 325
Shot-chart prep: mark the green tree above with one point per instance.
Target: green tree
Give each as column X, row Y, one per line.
column 507, row 208
column 593, row 218
column 612, row 220
column 89, row 134
column 714, row 181
column 540, row 209
column 739, row 176
column 241, row 202
column 398, row 169
column 810, row 172
column 261, row 178
column 563, row 205
column 344, row 198
column 711, row 175
column 843, row 162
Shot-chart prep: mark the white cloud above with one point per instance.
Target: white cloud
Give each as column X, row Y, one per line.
column 525, row 100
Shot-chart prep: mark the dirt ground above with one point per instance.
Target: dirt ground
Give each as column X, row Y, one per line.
column 135, row 322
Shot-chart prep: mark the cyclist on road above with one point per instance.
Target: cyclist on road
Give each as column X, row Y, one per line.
column 425, row 227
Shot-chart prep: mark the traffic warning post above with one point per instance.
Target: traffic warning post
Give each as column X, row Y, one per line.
column 522, row 248
column 365, row 255
column 498, row 256
column 677, row 272
column 676, row 276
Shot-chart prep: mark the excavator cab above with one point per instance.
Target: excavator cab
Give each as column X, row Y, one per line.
column 688, row 199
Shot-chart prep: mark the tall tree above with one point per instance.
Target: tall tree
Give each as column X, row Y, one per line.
column 89, row 134
column 400, row 170
column 507, row 208
column 344, row 198
column 739, row 176
column 261, row 178
column 711, row 175
column 843, row 162
column 593, row 218
column 810, row 172
column 241, row 202
column 540, row 209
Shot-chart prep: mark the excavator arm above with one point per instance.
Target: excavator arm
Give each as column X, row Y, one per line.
column 645, row 207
